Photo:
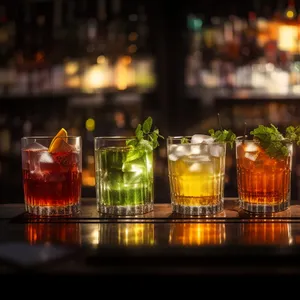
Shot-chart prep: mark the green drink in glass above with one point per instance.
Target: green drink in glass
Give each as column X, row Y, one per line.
column 124, row 172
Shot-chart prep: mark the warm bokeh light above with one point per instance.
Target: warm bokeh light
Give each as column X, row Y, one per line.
column 101, row 59
column 71, row 68
column 133, row 36
column 90, row 124
column 132, row 49
column 94, row 78
column 290, row 14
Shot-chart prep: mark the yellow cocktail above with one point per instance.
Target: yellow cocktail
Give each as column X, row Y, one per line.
column 196, row 175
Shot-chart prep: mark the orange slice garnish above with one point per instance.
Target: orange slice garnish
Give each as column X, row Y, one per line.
column 59, row 142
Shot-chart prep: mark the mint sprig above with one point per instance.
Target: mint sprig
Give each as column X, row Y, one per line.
column 293, row 134
column 273, row 142
column 145, row 139
column 223, row 135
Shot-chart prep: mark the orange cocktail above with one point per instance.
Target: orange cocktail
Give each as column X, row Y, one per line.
column 264, row 182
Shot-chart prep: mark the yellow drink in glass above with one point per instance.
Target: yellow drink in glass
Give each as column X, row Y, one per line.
column 196, row 176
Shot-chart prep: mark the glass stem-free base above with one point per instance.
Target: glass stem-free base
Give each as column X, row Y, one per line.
column 125, row 210
column 198, row 210
column 264, row 208
column 47, row 211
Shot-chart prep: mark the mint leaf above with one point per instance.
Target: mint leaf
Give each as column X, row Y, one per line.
column 156, row 132
column 223, row 135
column 138, row 130
column 145, row 140
column 272, row 141
column 145, row 145
column 134, row 154
column 147, row 125
column 184, row 140
column 293, row 134
column 131, row 142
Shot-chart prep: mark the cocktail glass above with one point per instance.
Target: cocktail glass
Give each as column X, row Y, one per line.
column 51, row 179
column 264, row 183
column 124, row 179
column 196, row 176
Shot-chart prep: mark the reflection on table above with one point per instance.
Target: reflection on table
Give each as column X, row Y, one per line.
column 266, row 233
column 126, row 234
column 197, row 234
column 67, row 233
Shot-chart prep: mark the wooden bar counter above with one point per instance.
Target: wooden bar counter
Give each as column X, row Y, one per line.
column 231, row 243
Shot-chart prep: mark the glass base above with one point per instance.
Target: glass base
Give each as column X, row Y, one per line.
column 262, row 208
column 125, row 210
column 198, row 210
column 48, row 211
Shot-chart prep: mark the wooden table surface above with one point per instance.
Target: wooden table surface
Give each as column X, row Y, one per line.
column 231, row 242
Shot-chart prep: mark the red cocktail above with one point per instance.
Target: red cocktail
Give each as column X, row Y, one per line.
column 52, row 175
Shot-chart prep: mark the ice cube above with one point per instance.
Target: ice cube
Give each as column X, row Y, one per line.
column 115, row 178
column 217, row 150
column 196, row 149
column 201, row 138
column 132, row 167
column 182, row 150
column 173, row 157
column 54, row 177
column 35, row 147
column 178, row 151
column 46, row 158
column 197, row 158
column 46, row 163
column 133, row 177
column 204, row 166
column 172, row 148
column 251, row 147
column 195, row 167
column 251, row 156
column 201, row 149
column 204, row 158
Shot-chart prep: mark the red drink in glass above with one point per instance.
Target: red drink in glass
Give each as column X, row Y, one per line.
column 52, row 181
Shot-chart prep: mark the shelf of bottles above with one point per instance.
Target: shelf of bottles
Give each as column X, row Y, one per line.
column 72, row 46
column 256, row 55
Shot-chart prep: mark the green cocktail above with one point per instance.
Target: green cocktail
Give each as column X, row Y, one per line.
column 123, row 185
column 124, row 172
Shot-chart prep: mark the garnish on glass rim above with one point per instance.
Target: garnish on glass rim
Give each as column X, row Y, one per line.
column 273, row 141
column 145, row 139
column 184, row 140
column 223, row 135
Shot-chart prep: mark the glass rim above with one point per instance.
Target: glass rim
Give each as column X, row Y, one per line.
column 240, row 140
column 179, row 137
column 114, row 137
column 45, row 137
